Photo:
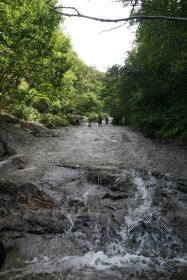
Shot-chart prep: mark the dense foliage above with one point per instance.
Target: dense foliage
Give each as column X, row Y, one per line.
column 41, row 77
column 150, row 89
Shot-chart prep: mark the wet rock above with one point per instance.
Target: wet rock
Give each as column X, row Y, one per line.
column 31, row 195
column 164, row 194
column 118, row 216
column 61, row 164
column 100, row 178
column 8, row 188
column 2, row 254
column 110, row 207
column 182, row 189
column 5, row 150
column 18, row 162
column 122, row 184
column 82, row 221
column 166, row 199
column 182, row 185
column 100, row 203
column 36, row 222
column 125, row 138
column 8, row 118
column 40, row 223
column 3, row 211
column 39, row 130
column 43, row 133
column 17, row 205
column 28, row 194
column 158, row 175
column 114, row 196
column 76, row 203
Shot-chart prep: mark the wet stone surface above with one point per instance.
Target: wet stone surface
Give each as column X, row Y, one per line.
column 99, row 203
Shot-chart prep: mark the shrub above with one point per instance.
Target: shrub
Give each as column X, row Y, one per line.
column 26, row 113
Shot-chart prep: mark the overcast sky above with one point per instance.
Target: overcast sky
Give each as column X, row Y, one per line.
column 94, row 46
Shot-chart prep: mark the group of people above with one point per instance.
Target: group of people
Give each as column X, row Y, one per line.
column 99, row 121
column 79, row 120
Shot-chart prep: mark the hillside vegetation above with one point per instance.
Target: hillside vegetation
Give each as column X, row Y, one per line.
column 41, row 77
column 150, row 89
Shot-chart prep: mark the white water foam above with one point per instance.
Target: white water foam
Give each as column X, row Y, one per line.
column 96, row 261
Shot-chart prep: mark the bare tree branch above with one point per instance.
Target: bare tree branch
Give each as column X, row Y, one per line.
column 136, row 17
column 113, row 28
column 133, row 7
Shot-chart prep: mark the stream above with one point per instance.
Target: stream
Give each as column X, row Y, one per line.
column 99, row 203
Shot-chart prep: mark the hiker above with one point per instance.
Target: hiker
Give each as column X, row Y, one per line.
column 100, row 120
column 77, row 119
column 81, row 120
column 123, row 120
column 106, row 120
column 89, row 122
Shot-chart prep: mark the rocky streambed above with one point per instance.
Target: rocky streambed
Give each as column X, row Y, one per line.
column 91, row 203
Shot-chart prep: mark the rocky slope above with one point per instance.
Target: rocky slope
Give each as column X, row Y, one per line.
column 79, row 190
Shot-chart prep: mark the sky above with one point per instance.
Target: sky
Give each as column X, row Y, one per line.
column 94, row 42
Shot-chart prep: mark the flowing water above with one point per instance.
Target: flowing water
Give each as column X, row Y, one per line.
column 122, row 208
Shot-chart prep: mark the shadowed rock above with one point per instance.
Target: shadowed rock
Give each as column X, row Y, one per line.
column 100, row 178
column 2, row 254
column 114, row 196
column 5, row 150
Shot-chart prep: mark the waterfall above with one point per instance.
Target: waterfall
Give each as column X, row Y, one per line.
column 142, row 244
column 146, row 231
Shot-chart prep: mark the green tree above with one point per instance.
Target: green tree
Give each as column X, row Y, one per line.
column 41, row 77
column 152, row 83
column 26, row 41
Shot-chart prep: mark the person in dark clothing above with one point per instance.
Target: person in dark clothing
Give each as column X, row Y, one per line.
column 77, row 119
column 100, row 120
column 106, row 120
column 81, row 120
column 89, row 123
